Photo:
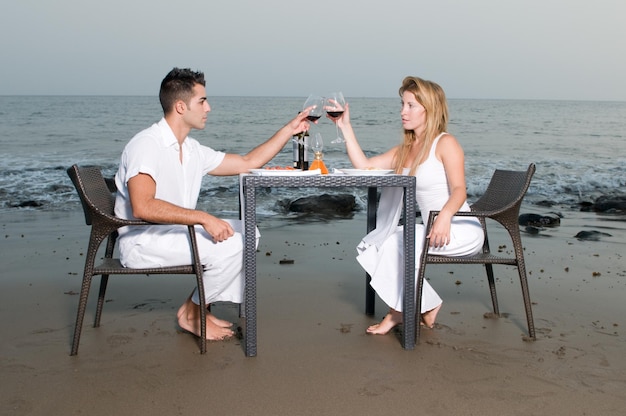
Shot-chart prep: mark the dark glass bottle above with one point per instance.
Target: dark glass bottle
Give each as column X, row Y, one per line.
column 295, row 140
column 300, row 153
column 304, row 151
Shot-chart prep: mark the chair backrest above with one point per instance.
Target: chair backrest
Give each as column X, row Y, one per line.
column 95, row 195
column 505, row 190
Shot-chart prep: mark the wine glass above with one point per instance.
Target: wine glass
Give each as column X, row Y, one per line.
column 317, row 104
column 317, row 145
column 335, row 105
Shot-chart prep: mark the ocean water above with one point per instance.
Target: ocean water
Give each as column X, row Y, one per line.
column 579, row 147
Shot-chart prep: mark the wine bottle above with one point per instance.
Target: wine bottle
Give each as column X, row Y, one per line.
column 295, row 139
column 303, row 151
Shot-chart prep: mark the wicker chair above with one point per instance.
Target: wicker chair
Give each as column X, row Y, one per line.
column 501, row 202
column 98, row 202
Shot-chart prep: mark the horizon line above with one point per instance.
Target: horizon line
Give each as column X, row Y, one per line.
column 298, row 96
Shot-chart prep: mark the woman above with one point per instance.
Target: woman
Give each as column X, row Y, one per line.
column 436, row 159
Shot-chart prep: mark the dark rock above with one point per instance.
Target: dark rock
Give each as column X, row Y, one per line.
column 536, row 220
column 610, row 204
column 591, row 235
column 586, row 206
column 341, row 204
column 28, row 204
column 545, row 203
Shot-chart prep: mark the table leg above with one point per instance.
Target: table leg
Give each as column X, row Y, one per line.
column 249, row 262
column 372, row 202
column 408, row 306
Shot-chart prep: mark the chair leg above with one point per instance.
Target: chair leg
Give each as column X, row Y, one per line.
column 492, row 288
column 521, row 268
column 203, row 332
column 370, row 296
column 198, row 268
column 80, row 314
column 203, row 312
column 418, row 295
column 103, row 288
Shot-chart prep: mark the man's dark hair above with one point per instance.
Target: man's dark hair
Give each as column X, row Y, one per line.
column 178, row 85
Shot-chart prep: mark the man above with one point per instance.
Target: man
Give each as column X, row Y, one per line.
column 159, row 181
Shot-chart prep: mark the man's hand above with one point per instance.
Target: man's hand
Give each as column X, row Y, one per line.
column 300, row 123
column 218, row 229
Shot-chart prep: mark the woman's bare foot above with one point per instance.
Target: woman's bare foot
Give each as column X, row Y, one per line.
column 390, row 321
column 189, row 320
column 429, row 317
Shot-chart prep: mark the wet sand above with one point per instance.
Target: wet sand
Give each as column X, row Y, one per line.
column 314, row 357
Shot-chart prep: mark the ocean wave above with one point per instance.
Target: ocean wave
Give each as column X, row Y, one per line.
column 50, row 189
column 575, row 145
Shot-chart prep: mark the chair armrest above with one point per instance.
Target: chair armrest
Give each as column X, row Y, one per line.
column 112, row 223
column 433, row 215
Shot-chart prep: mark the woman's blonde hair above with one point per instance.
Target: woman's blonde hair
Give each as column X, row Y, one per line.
column 432, row 97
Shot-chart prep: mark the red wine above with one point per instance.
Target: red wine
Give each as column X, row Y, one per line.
column 334, row 114
column 313, row 118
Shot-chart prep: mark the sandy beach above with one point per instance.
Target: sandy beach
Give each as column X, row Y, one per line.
column 314, row 357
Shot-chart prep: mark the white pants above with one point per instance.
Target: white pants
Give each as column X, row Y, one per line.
column 386, row 264
column 161, row 246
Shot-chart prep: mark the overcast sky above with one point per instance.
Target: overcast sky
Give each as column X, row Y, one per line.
column 512, row 49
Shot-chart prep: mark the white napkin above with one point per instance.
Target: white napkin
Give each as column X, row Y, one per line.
column 242, row 209
column 387, row 215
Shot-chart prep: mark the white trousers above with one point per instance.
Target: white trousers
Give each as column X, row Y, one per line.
column 161, row 246
column 385, row 264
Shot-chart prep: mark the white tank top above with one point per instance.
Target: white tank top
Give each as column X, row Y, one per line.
column 432, row 191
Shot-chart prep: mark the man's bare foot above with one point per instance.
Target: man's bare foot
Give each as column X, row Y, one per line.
column 217, row 321
column 189, row 320
column 390, row 321
column 429, row 317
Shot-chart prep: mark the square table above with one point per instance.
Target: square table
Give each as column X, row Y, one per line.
column 249, row 184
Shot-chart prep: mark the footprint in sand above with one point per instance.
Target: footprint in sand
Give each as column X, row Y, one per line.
column 118, row 340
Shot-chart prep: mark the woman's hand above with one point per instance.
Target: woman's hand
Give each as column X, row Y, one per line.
column 344, row 119
column 440, row 232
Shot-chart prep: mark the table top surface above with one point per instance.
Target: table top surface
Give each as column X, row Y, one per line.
column 328, row 180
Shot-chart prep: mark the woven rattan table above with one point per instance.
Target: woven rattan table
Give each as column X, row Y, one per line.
column 249, row 185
